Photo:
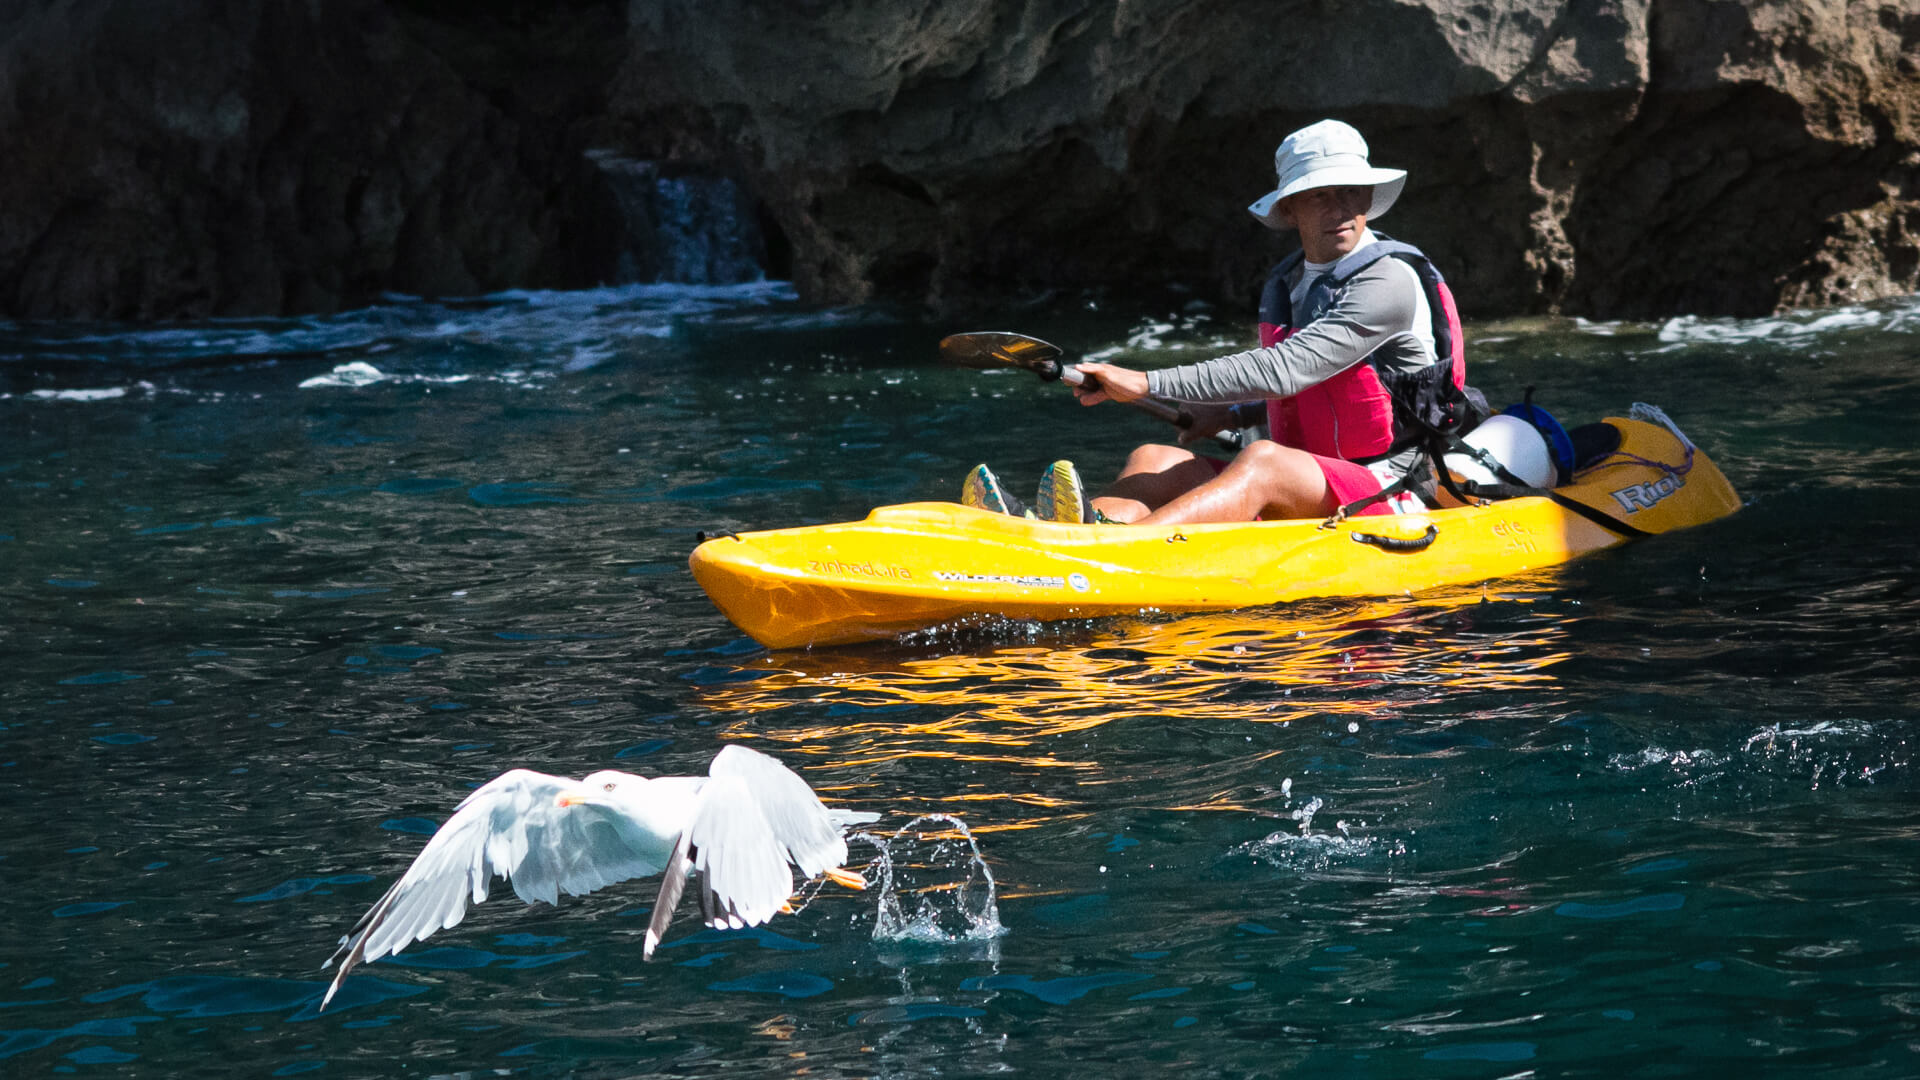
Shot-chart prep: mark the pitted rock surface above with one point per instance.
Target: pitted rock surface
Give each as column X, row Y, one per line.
column 1610, row 158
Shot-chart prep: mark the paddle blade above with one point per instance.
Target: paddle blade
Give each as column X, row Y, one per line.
column 1000, row 348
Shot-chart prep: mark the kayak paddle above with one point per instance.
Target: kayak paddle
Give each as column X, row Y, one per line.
column 986, row 349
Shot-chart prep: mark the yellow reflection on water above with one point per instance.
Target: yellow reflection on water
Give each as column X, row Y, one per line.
column 1015, row 707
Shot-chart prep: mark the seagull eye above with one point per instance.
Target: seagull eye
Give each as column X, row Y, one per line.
column 609, row 785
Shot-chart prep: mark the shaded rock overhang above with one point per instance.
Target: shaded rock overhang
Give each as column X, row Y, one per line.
column 1609, row 158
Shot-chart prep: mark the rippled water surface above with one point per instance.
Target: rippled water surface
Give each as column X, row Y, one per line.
column 279, row 593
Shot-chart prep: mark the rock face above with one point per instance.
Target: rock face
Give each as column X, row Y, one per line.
column 1613, row 158
column 235, row 157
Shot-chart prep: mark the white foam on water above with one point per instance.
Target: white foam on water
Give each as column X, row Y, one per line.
column 665, row 292
column 1653, row 757
column 585, row 357
column 1824, row 752
column 569, row 330
column 1775, row 735
column 357, row 373
column 105, row 393
column 1180, row 333
column 360, row 373
column 1790, row 330
column 1151, row 336
column 1794, row 329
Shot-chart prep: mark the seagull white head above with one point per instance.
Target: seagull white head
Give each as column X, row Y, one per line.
column 607, row 785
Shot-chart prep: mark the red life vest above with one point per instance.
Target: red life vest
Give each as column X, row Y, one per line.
column 1364, row 414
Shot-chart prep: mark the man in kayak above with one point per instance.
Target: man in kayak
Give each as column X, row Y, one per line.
column 1350, row 324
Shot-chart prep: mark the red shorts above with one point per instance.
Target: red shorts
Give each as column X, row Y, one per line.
column 1346, row 479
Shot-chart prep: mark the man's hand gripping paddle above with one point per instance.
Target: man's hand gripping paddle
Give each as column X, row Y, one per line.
column 986, row 349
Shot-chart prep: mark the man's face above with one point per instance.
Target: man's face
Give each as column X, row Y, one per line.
column 1330, row 219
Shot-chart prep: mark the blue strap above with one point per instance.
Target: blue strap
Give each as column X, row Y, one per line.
column 1319, row 298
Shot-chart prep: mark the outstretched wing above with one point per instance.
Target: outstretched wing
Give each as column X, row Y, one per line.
column 512, row 827
column 744, row 874
column 807, row 832
column 753, row 819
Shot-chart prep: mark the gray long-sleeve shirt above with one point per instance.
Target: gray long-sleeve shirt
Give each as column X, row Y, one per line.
column 1382, row 310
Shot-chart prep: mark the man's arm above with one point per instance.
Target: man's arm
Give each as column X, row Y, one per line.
column 1377, row 303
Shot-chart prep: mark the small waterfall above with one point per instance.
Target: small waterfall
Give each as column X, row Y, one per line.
column 681, row 226
column 934, row 885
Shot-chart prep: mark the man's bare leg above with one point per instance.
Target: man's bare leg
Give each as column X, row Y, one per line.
column 1266, row 480
column 1153, row 476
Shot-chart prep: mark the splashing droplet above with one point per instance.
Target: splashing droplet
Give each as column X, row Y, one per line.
column 934, row 885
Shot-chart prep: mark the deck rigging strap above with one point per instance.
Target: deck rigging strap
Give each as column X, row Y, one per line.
column 1511, row 486
column 1598, row 517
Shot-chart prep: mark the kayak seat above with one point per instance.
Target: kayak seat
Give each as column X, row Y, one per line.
column 1591, row 442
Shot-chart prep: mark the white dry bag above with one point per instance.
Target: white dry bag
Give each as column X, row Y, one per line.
column 1512, row 442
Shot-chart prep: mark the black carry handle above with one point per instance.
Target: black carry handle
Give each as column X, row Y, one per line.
column 1400, row 545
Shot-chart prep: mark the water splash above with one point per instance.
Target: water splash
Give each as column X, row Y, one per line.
column 1320, row 851
column 1777, row 737
column 1304, row 815
column 1825, row 752
column 1308, row 850
column 933, row 883
column 1837, row 752
column 1692, row 763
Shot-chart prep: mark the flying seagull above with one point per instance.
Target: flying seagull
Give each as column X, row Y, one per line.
column 740, row 827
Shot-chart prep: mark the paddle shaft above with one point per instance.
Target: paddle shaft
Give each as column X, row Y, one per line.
column 1172, row 414
column 993, row 348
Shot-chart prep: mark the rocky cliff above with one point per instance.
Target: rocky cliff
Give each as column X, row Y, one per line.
column 1600, row 157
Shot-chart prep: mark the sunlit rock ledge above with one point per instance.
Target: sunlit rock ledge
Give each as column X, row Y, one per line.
column 1609, row 158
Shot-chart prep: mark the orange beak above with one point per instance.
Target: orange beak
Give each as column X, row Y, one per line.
column 569, row 799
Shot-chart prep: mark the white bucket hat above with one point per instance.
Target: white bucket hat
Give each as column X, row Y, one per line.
column 1326, row 154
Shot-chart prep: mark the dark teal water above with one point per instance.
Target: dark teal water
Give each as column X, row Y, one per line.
column 269, row 615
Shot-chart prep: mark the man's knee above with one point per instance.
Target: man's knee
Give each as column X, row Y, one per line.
column 1263, row 452
column 1156, row 458
column 1283, row 478
column 1272, row 459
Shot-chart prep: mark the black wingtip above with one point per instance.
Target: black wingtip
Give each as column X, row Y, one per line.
column 673, row 881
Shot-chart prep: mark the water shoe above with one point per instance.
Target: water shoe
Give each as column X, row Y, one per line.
column 1061, row 496
column 982, row 491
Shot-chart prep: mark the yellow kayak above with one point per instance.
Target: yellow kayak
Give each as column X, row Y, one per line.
column 922, row 565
